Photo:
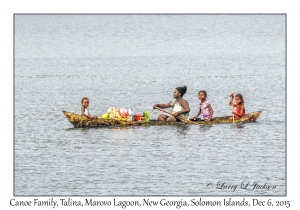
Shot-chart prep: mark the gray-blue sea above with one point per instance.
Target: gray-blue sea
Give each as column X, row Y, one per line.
column 136, row 61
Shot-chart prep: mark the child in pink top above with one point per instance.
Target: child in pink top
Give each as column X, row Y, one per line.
column 205, row 110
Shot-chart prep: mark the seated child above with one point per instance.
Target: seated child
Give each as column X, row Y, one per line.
column 84, row 110
column 205, row 109
column 240, row 108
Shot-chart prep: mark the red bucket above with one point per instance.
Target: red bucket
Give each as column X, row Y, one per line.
column 137, row 117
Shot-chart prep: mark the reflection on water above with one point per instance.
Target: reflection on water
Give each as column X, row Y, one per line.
column 205, row 128
column 121, row 128
column 240, row 125
column 182, row 129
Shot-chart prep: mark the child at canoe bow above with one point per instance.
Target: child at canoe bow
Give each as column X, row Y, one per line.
column 205, row 109
column 84, row 111
column 240, row 108
column 180, row 106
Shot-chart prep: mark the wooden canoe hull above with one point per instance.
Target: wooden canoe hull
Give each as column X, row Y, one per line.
column 82, row 121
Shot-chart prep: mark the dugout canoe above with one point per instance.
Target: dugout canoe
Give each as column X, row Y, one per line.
column 82, row 121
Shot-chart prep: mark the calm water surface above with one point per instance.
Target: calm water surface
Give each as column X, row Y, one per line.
column 135, row 61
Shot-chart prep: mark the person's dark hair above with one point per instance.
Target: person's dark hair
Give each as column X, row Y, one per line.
column 241, row 97
column 181, row 90
column 84, row 99
column 204, row 92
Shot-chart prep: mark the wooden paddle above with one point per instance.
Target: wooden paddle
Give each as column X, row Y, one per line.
column 182, row 118
column 232, row 111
